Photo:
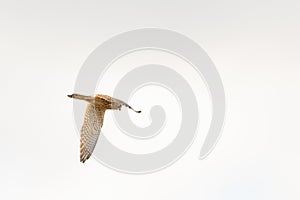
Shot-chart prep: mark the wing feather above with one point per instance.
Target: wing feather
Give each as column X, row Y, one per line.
column 117, row 103
column 90, row 130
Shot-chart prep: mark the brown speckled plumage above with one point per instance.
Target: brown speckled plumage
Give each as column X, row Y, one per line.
column 93, row 120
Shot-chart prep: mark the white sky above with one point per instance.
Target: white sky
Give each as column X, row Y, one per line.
column 255, row 46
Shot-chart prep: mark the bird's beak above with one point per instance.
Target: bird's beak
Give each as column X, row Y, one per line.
column 70, row 95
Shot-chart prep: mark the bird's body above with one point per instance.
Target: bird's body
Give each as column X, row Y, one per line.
column 93, row 120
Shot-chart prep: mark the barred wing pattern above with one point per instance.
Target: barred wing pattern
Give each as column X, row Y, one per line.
column 90, row 130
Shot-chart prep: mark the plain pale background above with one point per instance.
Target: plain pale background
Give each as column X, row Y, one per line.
column 255, row 46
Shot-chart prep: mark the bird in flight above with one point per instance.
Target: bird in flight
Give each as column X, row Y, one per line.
column 93, row 120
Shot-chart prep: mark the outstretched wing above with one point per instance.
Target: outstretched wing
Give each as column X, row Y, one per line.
column 117, row 104
column 90, row 130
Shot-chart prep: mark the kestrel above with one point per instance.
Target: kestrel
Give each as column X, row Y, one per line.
column 93, row 120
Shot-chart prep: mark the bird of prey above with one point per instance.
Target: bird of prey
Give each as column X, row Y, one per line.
column 93, row 120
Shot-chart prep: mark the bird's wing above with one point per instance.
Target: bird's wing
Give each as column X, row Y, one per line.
column 116, row 104
column 90, row 130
